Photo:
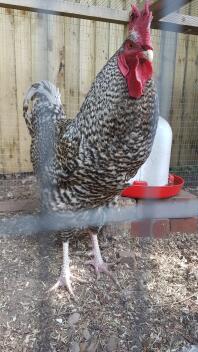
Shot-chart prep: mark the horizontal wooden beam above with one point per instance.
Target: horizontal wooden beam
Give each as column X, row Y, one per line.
column 162, row 8
column 15, row 206
column 176, row 22
column 66, row 8
column 70, row 9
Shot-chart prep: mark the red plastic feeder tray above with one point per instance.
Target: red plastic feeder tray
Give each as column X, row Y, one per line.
column 141, row 190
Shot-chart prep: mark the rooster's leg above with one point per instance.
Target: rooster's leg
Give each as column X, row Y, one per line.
column 97, row 262
column 65, row 276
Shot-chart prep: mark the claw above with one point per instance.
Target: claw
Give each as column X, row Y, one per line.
column 98, row 263
column 102, row 267
column 63, row 281
column 65, row 276
column 99, row 267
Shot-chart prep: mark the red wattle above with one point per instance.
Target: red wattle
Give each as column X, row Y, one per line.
column 137, row 73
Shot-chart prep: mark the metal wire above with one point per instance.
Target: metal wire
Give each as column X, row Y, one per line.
column 55, row 222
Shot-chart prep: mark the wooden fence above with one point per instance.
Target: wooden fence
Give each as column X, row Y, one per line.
column 70, row 52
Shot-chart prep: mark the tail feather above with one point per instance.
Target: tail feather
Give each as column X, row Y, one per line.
column 43, row 88
column 40, row 92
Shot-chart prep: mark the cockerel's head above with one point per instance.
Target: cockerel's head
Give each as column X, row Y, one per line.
column 136, row 54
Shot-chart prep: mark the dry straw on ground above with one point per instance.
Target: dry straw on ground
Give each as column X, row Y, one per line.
column 155, row 309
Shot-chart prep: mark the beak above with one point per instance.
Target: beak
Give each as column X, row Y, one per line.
column 149, row 55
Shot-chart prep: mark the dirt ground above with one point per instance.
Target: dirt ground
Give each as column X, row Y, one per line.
column 155, row 309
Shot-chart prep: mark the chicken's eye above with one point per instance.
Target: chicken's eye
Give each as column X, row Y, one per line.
column 130, row 45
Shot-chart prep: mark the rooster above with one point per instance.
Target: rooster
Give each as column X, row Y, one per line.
column 86, row 162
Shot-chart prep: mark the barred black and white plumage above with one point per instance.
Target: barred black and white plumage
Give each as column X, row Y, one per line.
column 101, row 148
column 86, row 162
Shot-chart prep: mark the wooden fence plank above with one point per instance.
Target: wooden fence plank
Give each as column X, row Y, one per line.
column 178, row 100
column 167, row 64
column 188, row 151
column 87, row 55
column 23, row 57
column 184, row 102
column 156, row 40
column 116, row 34
column 56, row 53
column 8, row 100
column 39, row 36
column 101, row 45
column 72, row 65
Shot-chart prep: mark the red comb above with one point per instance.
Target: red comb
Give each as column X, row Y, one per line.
column 140, row 21
column 135, row 13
